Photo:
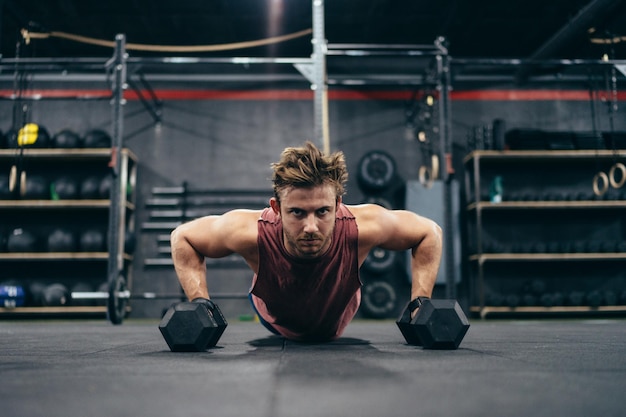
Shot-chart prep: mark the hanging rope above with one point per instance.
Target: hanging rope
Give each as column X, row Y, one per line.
column 608, row 41
column 165, row 48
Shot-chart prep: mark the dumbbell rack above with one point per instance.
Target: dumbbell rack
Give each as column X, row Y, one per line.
column 549, row 227
column 68, row 268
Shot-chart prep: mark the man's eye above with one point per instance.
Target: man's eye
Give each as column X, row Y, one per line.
column 296, row 212
column 322, row 211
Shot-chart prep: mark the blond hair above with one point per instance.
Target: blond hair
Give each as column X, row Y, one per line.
column 307, row 166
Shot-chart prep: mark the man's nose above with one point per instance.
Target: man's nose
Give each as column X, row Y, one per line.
column 310, row 223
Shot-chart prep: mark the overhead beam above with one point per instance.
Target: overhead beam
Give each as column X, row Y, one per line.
column 576, row 28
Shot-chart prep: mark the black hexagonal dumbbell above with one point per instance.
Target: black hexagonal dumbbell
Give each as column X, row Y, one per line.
column 192, row 326
column 438, row 324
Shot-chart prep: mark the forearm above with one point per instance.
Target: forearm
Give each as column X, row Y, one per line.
column 190, row 266
column 426, row 258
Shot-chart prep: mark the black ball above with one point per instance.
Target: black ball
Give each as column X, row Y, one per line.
column 30, row 135
column 61, row 240
column 90, row 188
column 130, row 243
column 66, row 138
column 3, row 241
column 97, row 138
column 5, row 191
column 21, row 240
column 92, row 240
column 56, row 295
column 82, row 287
column 64, row 188
column 105, row 186
column 35, row 293
column 37, row 188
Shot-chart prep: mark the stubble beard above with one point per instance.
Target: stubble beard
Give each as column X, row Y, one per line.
column 308, row 245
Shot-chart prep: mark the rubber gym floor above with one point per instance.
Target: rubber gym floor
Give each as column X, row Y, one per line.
column 502, row 368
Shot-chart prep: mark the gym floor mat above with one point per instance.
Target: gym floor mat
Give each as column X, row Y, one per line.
column 502, row 368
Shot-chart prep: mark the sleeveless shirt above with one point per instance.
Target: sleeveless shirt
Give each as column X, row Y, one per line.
column 307, row 299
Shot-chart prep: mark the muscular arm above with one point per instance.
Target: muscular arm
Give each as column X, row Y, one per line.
column 212, row 237
column 402, row 230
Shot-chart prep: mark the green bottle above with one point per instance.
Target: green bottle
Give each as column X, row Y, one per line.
column 495, row 190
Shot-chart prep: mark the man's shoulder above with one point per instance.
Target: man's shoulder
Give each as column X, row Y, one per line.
column 241, row 221
column 365, row 212
column 241, row 227
column 370, row 220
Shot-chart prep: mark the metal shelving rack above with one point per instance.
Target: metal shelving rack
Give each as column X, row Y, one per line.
column 483, row 229
column 120, row 161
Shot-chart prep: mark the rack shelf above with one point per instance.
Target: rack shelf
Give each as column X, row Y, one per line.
column 44, row 268
column 546, row 233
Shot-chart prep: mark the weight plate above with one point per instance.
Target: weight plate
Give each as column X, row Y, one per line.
column 379, row 299
column 376, row 171
column 379, row 260
column 116, row 306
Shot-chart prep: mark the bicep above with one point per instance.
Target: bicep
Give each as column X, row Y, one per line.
column 214, row 236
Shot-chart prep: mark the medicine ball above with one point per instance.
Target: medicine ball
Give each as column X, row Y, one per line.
column 11, row 295
column 82, row 287
column 3, row 241
column 64, row 188
column 30, row 135
column 104, row 287
column 92, row 240
column 35, row 293
column 37, row 188
column 56, row 295
column 130, row 242
column 66, row 138
column 97, row 138
column 10, row 139
column 90, row 188
column 61, row 240
column 5, row 191
column 21, row 240
column 105, row 186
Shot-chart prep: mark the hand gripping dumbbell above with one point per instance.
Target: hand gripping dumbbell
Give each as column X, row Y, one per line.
column 438, row 324
column 193, row 326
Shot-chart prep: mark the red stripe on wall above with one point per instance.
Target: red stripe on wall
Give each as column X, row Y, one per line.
column 267, row 95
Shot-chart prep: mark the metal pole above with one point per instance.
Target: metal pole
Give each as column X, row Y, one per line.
column 443, row 85
column 116, row 211
column 319, row 85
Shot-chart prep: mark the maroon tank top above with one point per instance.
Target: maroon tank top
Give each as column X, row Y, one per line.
column 307, row 299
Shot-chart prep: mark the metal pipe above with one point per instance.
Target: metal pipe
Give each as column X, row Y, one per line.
column 116, row 211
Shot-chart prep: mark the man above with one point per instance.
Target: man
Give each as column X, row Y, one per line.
column 306, row 248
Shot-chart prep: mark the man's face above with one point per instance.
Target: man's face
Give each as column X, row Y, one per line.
column 308, row 217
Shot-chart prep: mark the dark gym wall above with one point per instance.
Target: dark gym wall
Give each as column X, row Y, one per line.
column 230, row 144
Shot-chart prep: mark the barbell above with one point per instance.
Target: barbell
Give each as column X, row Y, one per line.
column 117, row 297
